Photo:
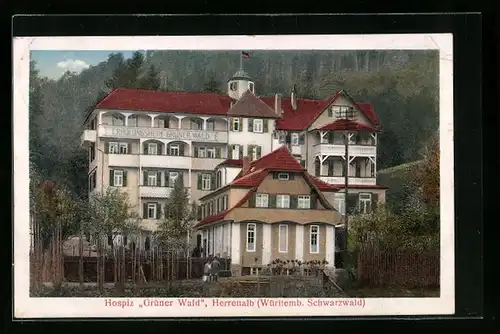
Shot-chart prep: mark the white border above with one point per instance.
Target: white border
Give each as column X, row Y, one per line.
column 26, row 307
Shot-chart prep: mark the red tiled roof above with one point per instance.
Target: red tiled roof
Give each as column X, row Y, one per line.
column 322, row 185
column 146, row 100
column 361, row 186
column 250, row 105
column 252, row 179
column 345, row 124
column 232, row 163
column 308, row 110
column 221, row 215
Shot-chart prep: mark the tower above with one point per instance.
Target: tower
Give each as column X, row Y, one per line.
column 239, row 83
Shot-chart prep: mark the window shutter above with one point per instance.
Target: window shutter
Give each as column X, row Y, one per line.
column 288, row 138
column 218, row 152
column 241, row 152
column 145, row 148
column 265, row 125
column 212, row 181
column 374, row 201
column 124, row 178
column 250, row 125
column 352, row 203
column 199, row 181
column 293, row 201
column 230, row 151
column 144, row 210
column 272, row 201
column 167, row 176
column 314, row 201
column 158, row 210
column 259, row 152
column 111, row 177
column 159, row 149
column 249, row 150
column 129, row 150
column 251, row 201
column 302, row 139
column 158, row 178
column 241, row 125
column 181, row 149
column 275, row 175
column 145, row 178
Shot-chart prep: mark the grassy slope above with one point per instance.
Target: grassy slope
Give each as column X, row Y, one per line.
column 395, row 178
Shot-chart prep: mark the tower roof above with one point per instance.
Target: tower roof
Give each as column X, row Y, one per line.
column 240, row 75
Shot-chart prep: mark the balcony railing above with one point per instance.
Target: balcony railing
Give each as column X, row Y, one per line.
column 123, row 160
column 365, row 181
column 88, row 136
column 339, row 150
column 164, row 161
column 205, row 163
column 112, row 131
column 157, row 192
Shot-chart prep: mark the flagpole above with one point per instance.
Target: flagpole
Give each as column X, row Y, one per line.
column 241, row 60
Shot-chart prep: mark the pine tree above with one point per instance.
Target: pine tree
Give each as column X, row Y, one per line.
column 151, row 79
column 212, row 86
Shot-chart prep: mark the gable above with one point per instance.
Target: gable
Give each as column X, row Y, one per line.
column 250, row 105
column 327, row 116
column 296, row 185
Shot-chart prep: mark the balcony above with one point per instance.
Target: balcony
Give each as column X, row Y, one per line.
column 165, row 161
column 109, row 131
column 339, row 150
column 88, row 136
column 359, row 181
column 123, row 160
column 158, row 192
column 205, row 163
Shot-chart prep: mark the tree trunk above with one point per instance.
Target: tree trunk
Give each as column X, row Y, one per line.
column 115, row 265
column 80, row 264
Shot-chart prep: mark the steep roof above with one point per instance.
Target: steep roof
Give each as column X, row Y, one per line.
column 250, row 105
column 185, row 102
column 231, row 163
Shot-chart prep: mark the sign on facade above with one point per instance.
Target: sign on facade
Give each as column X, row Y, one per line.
column 168, row 134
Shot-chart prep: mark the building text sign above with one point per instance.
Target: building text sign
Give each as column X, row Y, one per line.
column 159, row 133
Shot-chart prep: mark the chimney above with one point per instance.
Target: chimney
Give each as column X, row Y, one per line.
column 293, row 98
column 277, row 104
column 246, row 165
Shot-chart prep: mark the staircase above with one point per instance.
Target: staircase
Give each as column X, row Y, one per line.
column 330, row 286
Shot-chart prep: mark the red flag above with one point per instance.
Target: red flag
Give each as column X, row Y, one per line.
column 244, row 54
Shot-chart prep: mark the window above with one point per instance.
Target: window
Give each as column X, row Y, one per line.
column 340, row 205
column 254, row 151
column 262, row 200
column 152, row 148
column 152, row 179
column 174, row 150
column 113, row 148
column 258, row 125
column 251, row 237
column 236, row 124
column 118, row 120
column 172, row 178
column 196, row 124
column 236, row 152
column 132, row 120
column 313, row 239
column 92, row 152
column 206, row 181
column 92, row 181
column 210, row 125
column 233, row 86
column 251, row 86
column 283, row 238
column 123, row 148
column 211, row 152
column 365, row 202
column 224, row 202
column 202, row 152
column 304, row 202
column 151, row 211
column 118, row 178
column 343, row 112
column 295, row 139
column 283, row 201
column 283, row 176
column 218, row 179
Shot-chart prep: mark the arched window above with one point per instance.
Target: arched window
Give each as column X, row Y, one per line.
column 233, row 86
column 219, row 179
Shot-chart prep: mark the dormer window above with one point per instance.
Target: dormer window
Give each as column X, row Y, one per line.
column 233, row 86
column 283, row 176
column 251, row 86
column 342, row 112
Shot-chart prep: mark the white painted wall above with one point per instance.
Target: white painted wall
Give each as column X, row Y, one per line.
column 330, row 246
column 242, row 87
column 230, row 174
column 235, row 243
column 299, row 242
column 245, row 138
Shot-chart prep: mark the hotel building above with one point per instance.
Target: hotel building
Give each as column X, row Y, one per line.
column 143, row 141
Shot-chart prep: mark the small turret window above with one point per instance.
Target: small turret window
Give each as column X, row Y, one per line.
column 233, row 86
column 251, row 86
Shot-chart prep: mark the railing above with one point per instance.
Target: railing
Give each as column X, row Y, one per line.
column 163, row 161
column 339, row 150
column 123, row 160
column 352, row 180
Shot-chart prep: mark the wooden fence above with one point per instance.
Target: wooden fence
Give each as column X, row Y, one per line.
column 183, row 268
column 393, row 268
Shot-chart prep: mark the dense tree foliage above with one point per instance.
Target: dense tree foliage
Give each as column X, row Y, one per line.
column 402, row 85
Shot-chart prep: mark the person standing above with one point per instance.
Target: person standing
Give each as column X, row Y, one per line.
column 207, row 271
column 215, row 269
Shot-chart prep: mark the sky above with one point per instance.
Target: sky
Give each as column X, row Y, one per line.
column 53, row 64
